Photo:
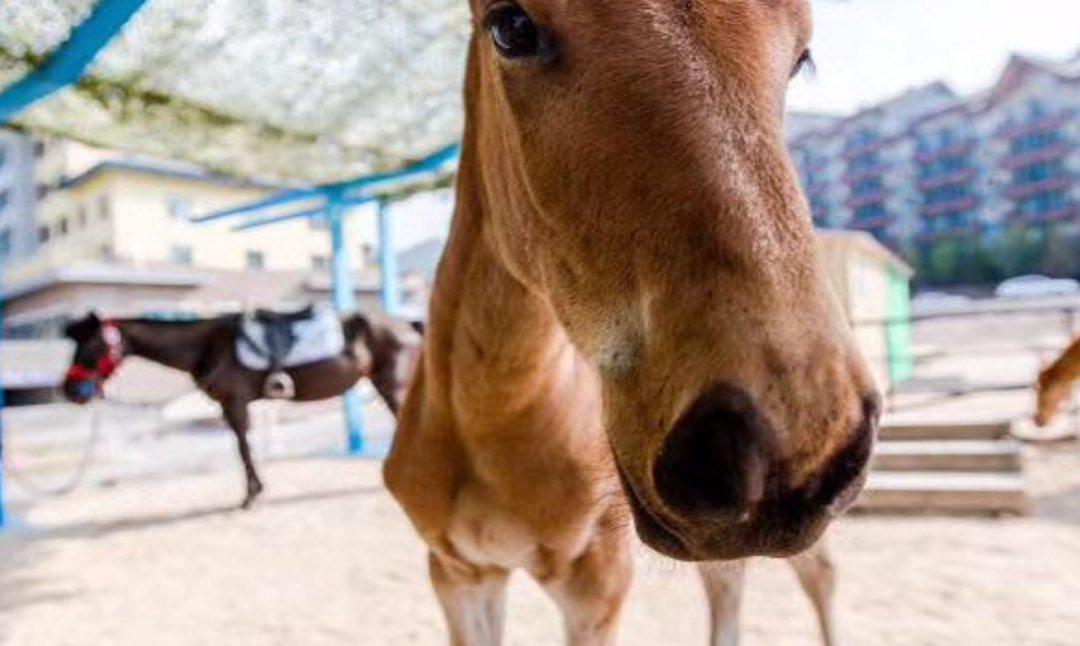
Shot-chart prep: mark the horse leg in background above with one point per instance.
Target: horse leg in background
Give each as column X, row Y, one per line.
column 724, row 589
column 591, row 592
column 239, row 419
column 817, row 575
column 474, row 603
column 1055, row 384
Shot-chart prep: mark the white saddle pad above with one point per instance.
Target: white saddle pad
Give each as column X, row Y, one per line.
column 317, row 339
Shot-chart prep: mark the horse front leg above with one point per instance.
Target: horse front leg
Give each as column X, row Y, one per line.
column 817, row 575
column 724, row 591
column 592, row 592
column 474, row 603
column 239, row 419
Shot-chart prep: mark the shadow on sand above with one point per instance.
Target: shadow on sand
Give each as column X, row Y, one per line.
column 20, row 586
column 95, row 529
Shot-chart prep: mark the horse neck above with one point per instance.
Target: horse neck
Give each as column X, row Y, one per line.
column 494, row 341
column 178, row 345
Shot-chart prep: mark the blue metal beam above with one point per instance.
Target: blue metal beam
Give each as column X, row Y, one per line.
column 428, row 164
column 351, row 192
column 258, row 223
column 277, row 199
column 390, row 289
column 69, row 61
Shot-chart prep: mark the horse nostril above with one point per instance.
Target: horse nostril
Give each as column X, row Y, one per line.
column 715, row 460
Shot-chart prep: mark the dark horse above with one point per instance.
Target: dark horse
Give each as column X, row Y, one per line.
column 383, row 349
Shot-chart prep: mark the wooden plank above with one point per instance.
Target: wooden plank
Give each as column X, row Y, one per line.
column 950, row 456
column 933, row 492
column 950, row 432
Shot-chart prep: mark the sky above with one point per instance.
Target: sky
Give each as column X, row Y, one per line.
column 869, row 50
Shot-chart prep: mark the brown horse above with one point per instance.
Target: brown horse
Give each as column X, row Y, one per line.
column 376, row 346
column 630, row 313
column 1055, row 384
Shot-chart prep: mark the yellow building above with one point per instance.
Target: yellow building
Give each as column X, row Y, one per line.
column 96, row 207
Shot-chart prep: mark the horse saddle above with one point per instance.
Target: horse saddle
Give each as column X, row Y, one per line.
column 270, row 340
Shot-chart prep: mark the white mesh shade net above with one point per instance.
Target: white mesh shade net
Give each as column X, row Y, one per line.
column 311, row 91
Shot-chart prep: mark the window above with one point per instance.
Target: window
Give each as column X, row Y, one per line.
column 367, row 254
column 950, row 193
column 181, row 255
column 1035, row 141
column 5, row 245
column 1044, row 203
column 868, row 186
column 1039, row 172
column 4, row 200
column 62, row 227
column 256, row 260
column 3, row 157
column 104, row 207
column 39, row 148
column 179, row 208
column 870, row 211
column 944, row 166
column 40, row 191
column 82, row 218
column 864, row 163
column 43, row 234
column 319, row 263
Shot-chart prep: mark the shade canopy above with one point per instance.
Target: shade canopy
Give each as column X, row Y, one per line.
column 310, row 92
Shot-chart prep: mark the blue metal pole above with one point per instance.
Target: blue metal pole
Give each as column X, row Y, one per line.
column 344, row 298
column 3, row 512
column 390, row 292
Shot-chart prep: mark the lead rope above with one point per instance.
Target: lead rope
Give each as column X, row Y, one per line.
column 19, row 476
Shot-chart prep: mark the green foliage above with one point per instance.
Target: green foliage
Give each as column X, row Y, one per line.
column 1053, row 250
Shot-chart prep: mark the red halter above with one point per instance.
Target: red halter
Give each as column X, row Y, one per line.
column 107, row 363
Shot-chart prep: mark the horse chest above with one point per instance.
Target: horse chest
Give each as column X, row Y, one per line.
column 487, row 531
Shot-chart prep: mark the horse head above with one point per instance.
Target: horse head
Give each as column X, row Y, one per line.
column 627, row 161
column 99, row 350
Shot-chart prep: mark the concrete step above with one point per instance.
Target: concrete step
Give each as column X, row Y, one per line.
column 945, row 432
column 950, row 456
column 937, row 492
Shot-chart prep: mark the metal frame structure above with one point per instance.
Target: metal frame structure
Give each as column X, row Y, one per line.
column 65, row 66
column 332, row 203
column 68, row 63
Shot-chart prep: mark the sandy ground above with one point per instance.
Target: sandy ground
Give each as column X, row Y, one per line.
column 329, row 560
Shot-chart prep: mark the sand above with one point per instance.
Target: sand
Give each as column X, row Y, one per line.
column 328, row 560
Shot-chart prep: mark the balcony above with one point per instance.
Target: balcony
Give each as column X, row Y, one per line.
column 1049, row 153
column 961, row 176
column 952, row 150
column 873, row 197
column 854, row 176
column 816, row 189
column 865, row 148
column 926, row 234
column 873, row 223
column 1040, row 124
column 952, row 206
column 1067, row 212
column 1023, row 190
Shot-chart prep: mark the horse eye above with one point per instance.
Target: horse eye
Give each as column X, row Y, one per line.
column 513, row 33
column 805, row 62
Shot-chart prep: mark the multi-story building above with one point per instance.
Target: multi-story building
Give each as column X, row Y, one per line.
column 83, row 228
column 17, row 229
column 932, row 166
column 94, row 207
